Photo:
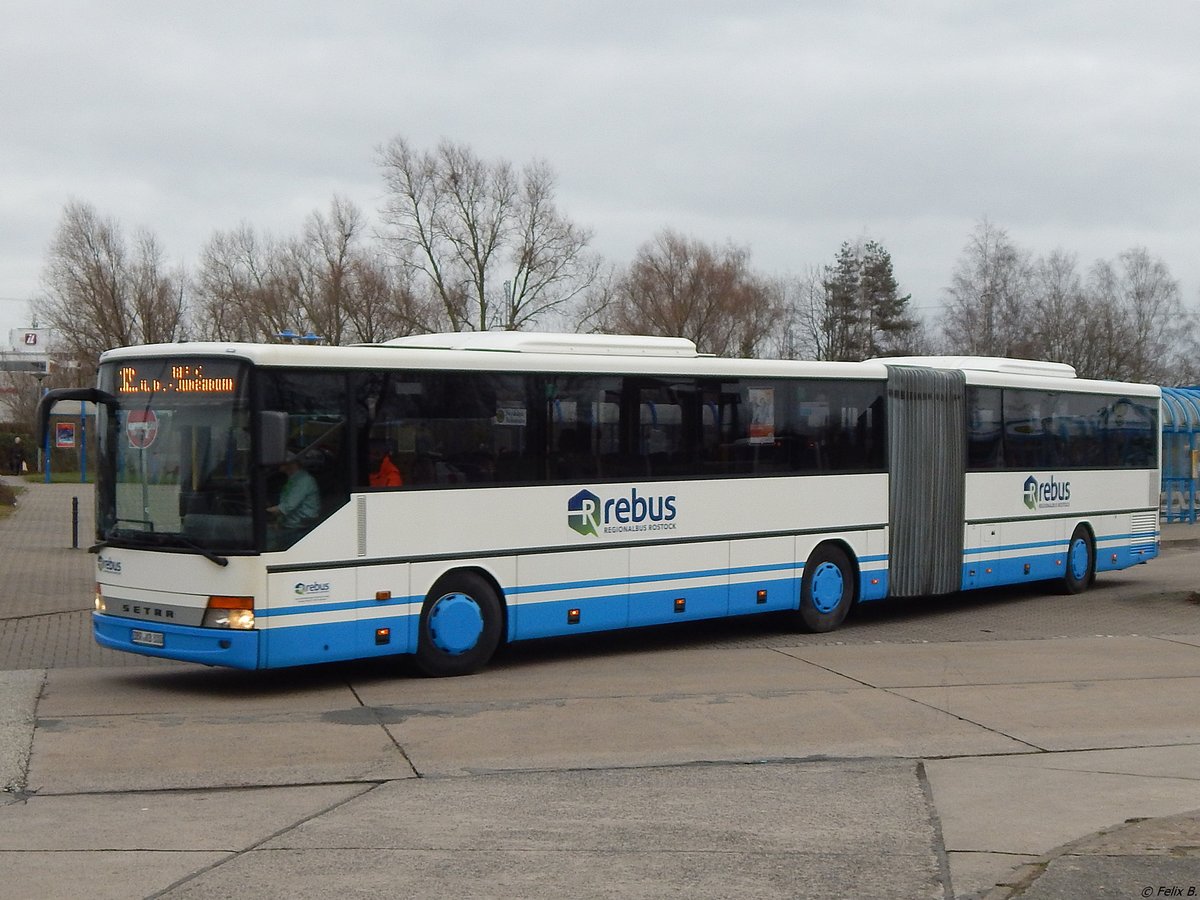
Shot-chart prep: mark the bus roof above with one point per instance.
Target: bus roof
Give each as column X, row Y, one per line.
column 616, row 354
column 512, row 351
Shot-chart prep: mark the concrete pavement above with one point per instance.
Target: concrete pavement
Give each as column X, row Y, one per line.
column 1063, row 767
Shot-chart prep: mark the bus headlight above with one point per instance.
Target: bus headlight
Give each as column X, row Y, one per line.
column 101, row 606
column 229, row 612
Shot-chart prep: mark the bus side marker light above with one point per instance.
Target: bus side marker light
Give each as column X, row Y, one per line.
column 229, row 612
column 572, row 617
column 383, row 635
column 760, row 597
column 876, row 580
column 383, row 595
column 680, row 604
column 1114, row 557
column 1026, row 568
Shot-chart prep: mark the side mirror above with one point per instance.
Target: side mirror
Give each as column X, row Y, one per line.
column 48, row 399
column 272, row 437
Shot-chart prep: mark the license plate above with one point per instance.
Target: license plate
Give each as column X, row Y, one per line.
column 147, row 638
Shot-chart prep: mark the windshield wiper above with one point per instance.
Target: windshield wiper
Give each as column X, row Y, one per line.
column 163, row 539
column 203, row 551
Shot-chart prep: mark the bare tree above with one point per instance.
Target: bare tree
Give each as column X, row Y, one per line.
column 679, row 287
column 1065, row 324
column 550, row 265
column 799, row 334
column 318, row 269
column 344, row 288
column 98, row 294
column 1145, row 326
column 487, row 243
column 988, row 297
column 592, row 313
column 385, row 305
column 242, row 289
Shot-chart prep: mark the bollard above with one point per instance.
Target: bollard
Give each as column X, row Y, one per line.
column 74, row 523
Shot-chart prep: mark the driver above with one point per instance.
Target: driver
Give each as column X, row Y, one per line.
column 300, row 500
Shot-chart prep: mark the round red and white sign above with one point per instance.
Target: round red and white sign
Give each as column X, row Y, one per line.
column 142, row 428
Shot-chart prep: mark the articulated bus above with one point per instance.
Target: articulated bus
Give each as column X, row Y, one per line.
column 543, row 485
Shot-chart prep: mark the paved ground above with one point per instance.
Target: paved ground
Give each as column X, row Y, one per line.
column 738, row 761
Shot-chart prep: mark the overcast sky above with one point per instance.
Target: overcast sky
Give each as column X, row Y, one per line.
column 786, row 127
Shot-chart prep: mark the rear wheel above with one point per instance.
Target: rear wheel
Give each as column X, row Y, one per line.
column 460, row 626
column 827, row 590
column 1081, row 561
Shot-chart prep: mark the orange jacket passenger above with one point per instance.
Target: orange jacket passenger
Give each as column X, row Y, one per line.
column 387, row 475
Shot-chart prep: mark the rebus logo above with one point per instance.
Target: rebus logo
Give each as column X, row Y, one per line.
column 111, row 566
column 588, row 514
column 1045, row 494
column 316, row 587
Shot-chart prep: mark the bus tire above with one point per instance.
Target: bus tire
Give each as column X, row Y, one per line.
column 1081, row 561
column 827, row 589
column 460, row 626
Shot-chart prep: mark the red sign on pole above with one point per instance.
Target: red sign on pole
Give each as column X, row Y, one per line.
column 64, row 434
column 142, row 428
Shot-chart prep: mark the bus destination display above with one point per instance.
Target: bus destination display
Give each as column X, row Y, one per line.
column 192, row 378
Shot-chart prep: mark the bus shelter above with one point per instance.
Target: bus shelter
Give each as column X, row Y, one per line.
column 1181, row 454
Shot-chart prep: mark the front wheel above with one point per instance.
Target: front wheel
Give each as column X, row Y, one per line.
column 1081, row 562
column 460, row 626
column 827, row 589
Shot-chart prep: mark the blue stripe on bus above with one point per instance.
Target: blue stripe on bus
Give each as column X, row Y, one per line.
column 630, row 583
column 631, row 580
column 346, row 605
column 1061, row 545
column 1047, row 566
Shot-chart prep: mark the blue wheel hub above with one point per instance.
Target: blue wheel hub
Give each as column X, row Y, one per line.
column 828, row 586
column 1077, row 559
column 455, row 623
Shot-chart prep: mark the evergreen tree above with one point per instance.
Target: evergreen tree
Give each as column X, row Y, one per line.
column 841, row 321
column 864, row 313
column 891, row 331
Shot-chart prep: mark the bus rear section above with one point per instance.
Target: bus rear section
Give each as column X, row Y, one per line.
column 1004, row 472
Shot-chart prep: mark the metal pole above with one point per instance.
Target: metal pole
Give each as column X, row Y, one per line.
column 47, row 447
column 82, row 442
column 74, row 523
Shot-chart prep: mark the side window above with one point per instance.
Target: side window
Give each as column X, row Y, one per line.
column 764, row 426
column 1028, row 429
column 454, row 429
column 810, row 426
column 1077, row 420
column 1045, row 430
column 854, row 434
column 583, row 421
column 1130, row 433
column 314, row 481
column 985, row 429
column 665, row 427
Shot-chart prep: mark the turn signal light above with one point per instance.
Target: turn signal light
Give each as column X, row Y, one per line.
column 229, row 612
column 101, row 606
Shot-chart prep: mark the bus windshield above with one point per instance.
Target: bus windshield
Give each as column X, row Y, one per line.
column 175, row 455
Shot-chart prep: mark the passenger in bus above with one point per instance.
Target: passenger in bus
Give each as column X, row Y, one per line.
column 384, row 472
column 300, row 499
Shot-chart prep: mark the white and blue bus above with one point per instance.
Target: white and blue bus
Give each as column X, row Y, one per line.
column 538, row 485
